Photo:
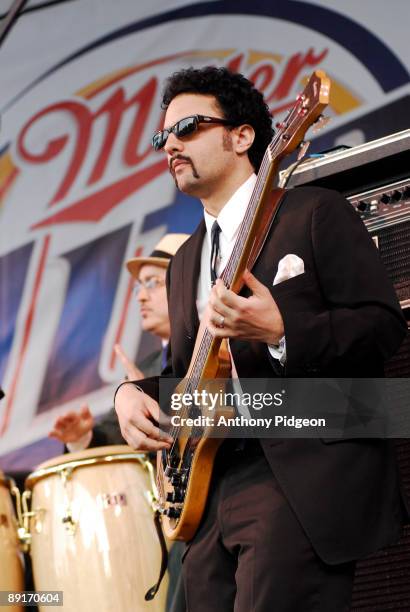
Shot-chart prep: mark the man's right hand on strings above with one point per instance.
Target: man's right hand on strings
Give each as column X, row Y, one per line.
column 138, row 416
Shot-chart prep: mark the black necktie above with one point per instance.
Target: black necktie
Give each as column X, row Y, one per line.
column 164, row 356
column 216, row 230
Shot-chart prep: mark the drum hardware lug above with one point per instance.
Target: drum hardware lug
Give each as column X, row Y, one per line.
column 23, row 531
column 23, row 534
column 66, row 474
column 69, row 523
column 26, row 531
column 152, row 495
column 152, row 501
column 15, row 491
column 28, row 514
column 24, row 538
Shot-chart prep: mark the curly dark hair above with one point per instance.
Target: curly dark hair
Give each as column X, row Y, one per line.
column 237, row 97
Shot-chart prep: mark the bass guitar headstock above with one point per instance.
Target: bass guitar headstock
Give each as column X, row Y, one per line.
column 306, row 111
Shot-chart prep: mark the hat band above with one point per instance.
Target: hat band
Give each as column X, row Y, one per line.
column 161, row 254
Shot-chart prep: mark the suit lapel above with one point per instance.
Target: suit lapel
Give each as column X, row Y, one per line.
column 191, row 268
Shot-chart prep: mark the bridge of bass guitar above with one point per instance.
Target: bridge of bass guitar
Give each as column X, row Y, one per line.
column 183, row 477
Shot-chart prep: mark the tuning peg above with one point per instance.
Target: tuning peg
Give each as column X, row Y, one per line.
column 320, row 123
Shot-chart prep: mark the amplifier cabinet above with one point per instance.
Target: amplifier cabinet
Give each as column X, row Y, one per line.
column 375, row 178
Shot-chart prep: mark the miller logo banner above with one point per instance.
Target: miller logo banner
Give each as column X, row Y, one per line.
column 82, row 191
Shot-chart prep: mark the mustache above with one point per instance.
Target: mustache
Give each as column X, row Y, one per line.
column 182, row 158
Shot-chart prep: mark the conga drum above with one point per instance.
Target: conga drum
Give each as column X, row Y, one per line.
column 11, row 560
column 92, row 530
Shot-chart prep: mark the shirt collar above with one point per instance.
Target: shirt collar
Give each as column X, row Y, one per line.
column 230, row 217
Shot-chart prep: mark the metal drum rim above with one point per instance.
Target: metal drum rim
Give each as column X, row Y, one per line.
column 73, row 464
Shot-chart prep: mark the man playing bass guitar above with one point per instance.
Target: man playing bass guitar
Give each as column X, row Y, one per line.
column 285, row 519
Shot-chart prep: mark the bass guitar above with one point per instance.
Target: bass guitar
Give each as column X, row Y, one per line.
column 184, row 471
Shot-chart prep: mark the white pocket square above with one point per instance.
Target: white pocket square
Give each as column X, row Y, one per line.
column 288, row 267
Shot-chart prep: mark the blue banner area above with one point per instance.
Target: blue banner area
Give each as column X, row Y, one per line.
column 182, row 216
column 13, row 272
column 73, row 364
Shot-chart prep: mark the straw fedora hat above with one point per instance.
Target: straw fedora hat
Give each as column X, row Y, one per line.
column 160, row 256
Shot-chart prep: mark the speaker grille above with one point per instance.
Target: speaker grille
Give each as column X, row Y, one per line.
column 382, row 581
column 394, row 247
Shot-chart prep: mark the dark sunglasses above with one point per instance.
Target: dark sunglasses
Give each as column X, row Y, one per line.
column 183, row 127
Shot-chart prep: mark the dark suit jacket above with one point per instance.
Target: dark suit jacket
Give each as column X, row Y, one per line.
column 341, row 319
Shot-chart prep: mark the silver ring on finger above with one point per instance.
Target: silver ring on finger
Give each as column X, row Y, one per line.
column 221, row 322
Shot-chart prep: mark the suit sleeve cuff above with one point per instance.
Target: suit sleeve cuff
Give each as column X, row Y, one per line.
column 278, row 351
